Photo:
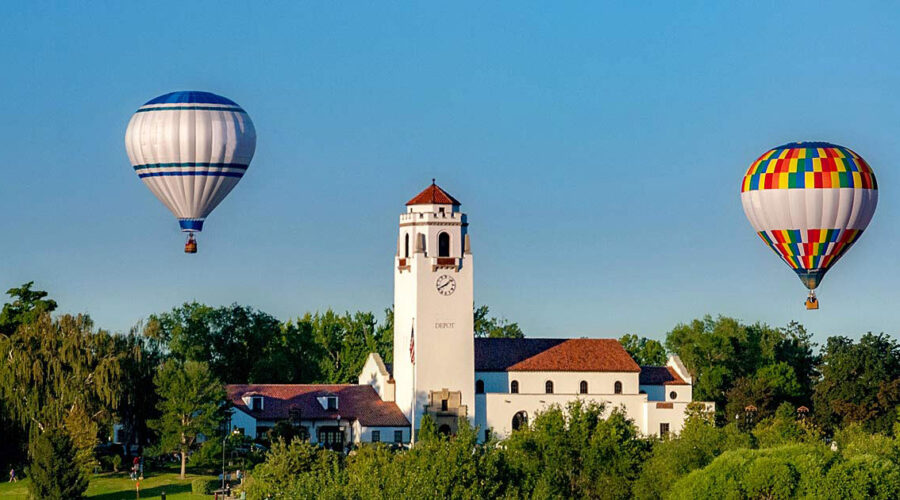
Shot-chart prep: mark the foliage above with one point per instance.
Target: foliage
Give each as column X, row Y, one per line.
column 577, row 453
column 61, row 374
column 343, row 342
column 794, row 471
column 191, row 403
column 750, row 363
column 785, row 428
column 28, row 305
column 51, row 472
column 139, row 357
column 202, row 486
column 646, row 352
column 494, row 327
column 860, row 384
column 295, row 470
column 699, row 443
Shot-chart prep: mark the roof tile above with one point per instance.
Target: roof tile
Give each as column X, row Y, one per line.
column 355, row 402
column 574, row 355
column 660, row 375
column 433, row 195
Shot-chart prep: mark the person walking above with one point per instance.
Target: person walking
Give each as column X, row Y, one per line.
column 12, row 476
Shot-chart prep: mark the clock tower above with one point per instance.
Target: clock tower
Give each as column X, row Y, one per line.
column 434, row 351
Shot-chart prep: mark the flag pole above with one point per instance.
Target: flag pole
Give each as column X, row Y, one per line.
column 412, row 354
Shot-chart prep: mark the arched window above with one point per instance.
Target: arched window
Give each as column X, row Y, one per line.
column 443, row 245
column 444, row 430
column 514, row 387
column 520, row 420
column 582, row 388
column 406, row 245
column 617, row 387
column 479, row 387
column 548, row 387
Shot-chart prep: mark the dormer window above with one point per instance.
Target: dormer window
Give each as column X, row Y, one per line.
column 256, row 403
column 332, row 403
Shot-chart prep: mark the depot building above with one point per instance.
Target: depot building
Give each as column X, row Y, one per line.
column 440, row 369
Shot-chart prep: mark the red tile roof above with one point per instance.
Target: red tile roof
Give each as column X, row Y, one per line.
column 564, row 355
column 660, row 375
column 355, row 402
column 433, row 195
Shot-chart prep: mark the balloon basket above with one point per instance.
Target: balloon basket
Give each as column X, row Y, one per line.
column 812, row 303
column 191, row 245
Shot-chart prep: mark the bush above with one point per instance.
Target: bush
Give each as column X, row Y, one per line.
column 205, row 486
column 53, row 476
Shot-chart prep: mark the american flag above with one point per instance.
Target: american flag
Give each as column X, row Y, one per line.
column 412, row 345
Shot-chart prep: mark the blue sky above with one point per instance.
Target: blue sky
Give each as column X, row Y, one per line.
column 597, row 148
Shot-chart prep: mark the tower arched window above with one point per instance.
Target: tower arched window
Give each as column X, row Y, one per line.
column 406, row 245
column 443, row 245
column 548, row 387
column 479, row 387
column 514, row 387
column 583, row 388
column 617, row 387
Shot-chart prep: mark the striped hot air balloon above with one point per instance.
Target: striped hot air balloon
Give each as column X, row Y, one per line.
column 809, row 202
column 190, row 148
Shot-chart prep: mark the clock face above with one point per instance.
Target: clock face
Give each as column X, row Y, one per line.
column 445, row 284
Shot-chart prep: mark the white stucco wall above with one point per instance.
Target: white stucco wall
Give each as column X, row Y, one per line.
column 387, row 434
column 245, row 422
column 569, row 382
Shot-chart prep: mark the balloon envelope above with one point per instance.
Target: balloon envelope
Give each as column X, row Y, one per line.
column 809, row 202
column 190, row 148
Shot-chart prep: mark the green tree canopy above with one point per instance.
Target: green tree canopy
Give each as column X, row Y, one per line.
column 493, row 327
column 726, row 355
column 646, row 352
column 860, row 383
column 28, row 305
column 51, row 472
column 61, row 374
column 192, row 402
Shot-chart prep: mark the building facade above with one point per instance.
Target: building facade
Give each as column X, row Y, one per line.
column 440, row 369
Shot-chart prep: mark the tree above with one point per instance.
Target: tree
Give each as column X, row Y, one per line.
column 140, row 355
column 51, row 471
column 61, row 374
column 342, row 343
column 698, row 444
column 27, row 307
column 646, row 352
column 724, row 354
column 861, row 383
column 191, row 403
column 494, row 327
column 576, row 453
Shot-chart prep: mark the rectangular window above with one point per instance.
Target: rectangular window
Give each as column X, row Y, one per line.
column 443, row 405
column 376, row 436
column 398, row 436
column 332, row 403
column 663, row 429
column 487, row 435
column 257, row 402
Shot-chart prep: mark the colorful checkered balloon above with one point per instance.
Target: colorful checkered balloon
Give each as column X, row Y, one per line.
column 809, row 202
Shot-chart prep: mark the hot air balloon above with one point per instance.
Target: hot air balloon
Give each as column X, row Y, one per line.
column 809, row 202
column 190, row 148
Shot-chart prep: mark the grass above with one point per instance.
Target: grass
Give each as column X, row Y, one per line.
column 115, row 486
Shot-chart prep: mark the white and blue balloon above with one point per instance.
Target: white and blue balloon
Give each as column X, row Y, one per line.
column 190, row 148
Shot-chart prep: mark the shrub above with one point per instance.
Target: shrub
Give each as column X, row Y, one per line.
column 864, row 476
column 204, row 486
column 52, row 475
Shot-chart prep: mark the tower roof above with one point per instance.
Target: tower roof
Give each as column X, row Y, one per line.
column 433, row 195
